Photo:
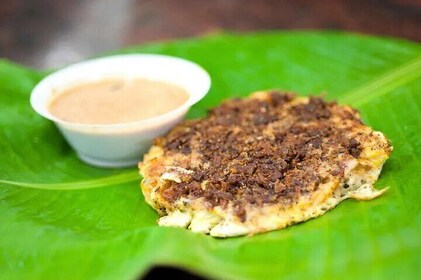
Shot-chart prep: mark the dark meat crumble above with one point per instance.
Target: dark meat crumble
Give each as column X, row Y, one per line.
column 262, row 151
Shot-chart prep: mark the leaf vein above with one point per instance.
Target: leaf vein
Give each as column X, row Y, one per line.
column 384, row 84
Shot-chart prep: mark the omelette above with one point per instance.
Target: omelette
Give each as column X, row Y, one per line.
column 262, row 163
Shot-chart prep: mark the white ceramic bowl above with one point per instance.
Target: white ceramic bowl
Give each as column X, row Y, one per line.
column 120, row 145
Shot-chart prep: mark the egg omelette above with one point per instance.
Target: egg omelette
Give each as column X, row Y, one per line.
column 262, row 163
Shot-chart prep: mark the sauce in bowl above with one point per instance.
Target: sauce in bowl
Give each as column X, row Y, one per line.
column 112, row 101
column 110, row 109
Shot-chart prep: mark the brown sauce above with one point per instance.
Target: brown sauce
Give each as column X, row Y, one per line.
column 113, row 101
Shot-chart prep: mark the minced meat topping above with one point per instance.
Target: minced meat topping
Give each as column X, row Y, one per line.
column 261, row 151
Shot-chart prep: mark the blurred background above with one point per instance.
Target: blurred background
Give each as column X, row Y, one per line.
column 52, row 33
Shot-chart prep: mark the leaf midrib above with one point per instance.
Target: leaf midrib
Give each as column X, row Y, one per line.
column 78, row 185
column 383, row 84
column 375, row 88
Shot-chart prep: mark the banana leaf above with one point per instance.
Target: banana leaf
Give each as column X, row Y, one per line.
column 62, row 219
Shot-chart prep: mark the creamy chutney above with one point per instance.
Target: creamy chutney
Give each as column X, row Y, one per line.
column 113, row 101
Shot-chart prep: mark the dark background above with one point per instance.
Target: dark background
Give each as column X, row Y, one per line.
column 52, row 33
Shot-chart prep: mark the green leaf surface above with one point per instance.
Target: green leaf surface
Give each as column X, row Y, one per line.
column 62, row 219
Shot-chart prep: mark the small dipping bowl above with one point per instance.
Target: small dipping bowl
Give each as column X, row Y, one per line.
column 122, row 144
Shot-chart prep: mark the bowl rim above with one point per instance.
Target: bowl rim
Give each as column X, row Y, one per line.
column 37, row 92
